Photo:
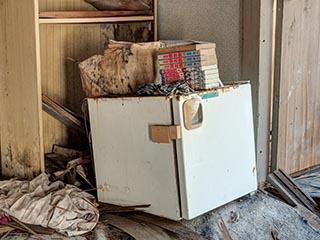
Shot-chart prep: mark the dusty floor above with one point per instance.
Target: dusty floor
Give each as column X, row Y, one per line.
column 259, row 216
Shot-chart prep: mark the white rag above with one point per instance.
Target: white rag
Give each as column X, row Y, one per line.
column 64, row 208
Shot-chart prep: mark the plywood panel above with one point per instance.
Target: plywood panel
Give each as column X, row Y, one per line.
column 63, row 46
column 21, row 148
column 297, row 102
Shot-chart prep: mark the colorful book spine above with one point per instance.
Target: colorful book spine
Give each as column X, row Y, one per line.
column 197, row 79
column 193, row 73
column 209, row 58
column 187, row 54
column 204, row 70
column 186, row 65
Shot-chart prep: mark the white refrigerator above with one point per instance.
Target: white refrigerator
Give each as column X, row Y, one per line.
column 182, row 155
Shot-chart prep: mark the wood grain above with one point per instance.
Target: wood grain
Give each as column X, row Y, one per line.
column 88, row 14
column 97, row 19
column 21, row 122
column 296, row 142
column 63, row 46
column 135, row 229
column 25, row 131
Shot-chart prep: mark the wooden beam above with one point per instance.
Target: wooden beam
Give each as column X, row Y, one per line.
column 96, row 20
column 20, row 90
column 89, row 14
column 276, row 88
column 155, row 14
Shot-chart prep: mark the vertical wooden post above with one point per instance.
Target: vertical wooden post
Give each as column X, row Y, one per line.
column 20, row 90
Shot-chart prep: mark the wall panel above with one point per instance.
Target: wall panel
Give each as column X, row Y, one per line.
column 296, row 131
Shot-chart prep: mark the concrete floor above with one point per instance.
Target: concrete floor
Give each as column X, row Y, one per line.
column 259, row 216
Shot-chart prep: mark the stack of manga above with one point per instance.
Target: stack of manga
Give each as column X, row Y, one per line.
column 197, row 64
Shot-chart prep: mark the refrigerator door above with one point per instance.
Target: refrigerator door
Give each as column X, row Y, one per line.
column 216, row 158
column 130, row 168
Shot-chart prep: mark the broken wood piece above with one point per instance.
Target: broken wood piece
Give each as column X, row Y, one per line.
column 304, row 197
column 64, row 115
column 5, row 229
column 26, row 228
column 90, row 14
column 107, row 208
column 223, row 229
column 73, row 165
column 175, row 227
column 67, row 152
column 309, row 217
column 291, row 192
column 5, row 235
column 282, row 190
column 80, row 171
column 135, row 229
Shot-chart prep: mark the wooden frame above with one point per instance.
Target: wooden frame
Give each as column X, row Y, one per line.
column 257, row 66
column 27, row 44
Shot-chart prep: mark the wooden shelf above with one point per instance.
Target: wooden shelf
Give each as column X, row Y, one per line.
column 95, row 20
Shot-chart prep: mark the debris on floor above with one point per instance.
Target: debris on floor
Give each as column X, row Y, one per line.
column 64, row 208
column 70, row 166
column 45, row 209
column 310, row 182
column 291, row 192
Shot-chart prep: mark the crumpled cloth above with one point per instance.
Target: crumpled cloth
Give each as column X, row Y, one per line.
column 66, row 209
column 171, row 89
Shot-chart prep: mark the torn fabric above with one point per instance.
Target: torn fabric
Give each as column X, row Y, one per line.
column 66, row 209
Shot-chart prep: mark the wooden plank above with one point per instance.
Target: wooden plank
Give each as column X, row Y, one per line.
column 297, row 190
column 63, row 46
column 60, row 113
column 169, row 225
column 285, row 193
column 135, row 229
column 89, row 14
column 223, row 229
column 21, row 119
column 96, row 20
column 291, row 192
column 155, row 14
column 309, row 217
column 296, row 142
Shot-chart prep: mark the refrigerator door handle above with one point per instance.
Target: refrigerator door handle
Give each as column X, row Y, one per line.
column 193, row 113
column 165, row 134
